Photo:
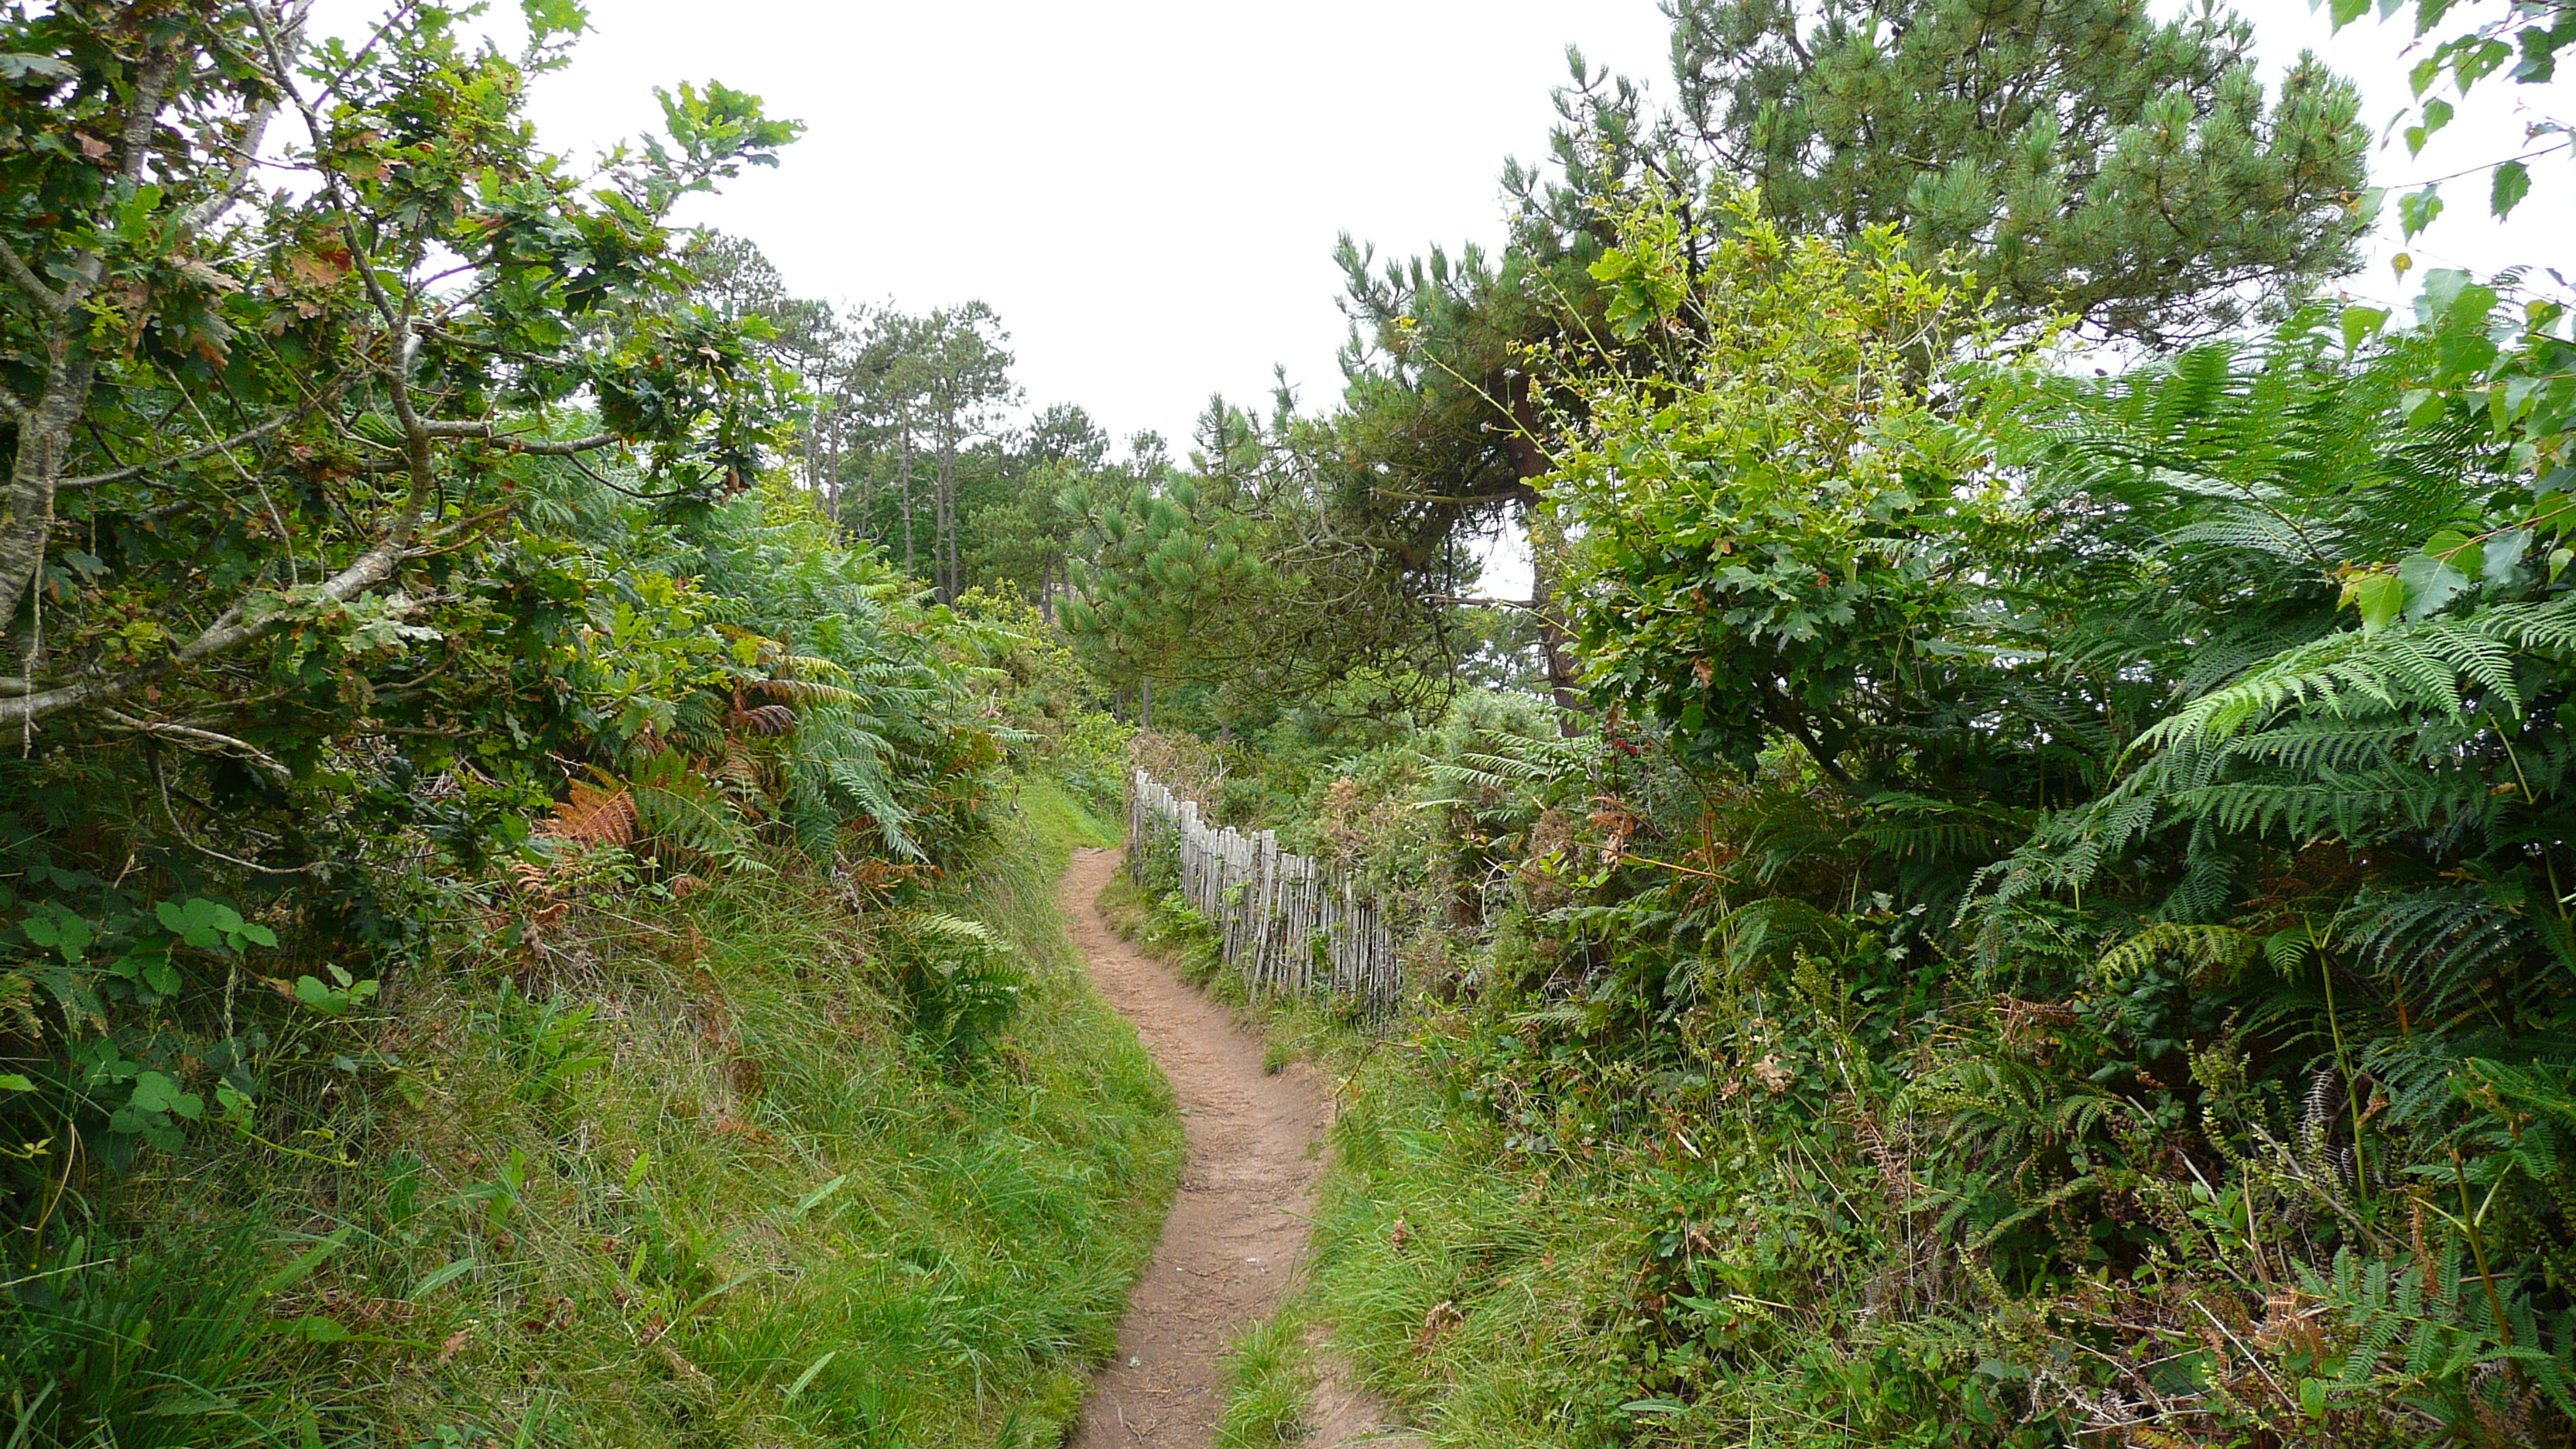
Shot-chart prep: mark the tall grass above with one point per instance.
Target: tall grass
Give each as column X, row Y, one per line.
column 1269, row 1386
column 691, row 1183
column 1468, row 1291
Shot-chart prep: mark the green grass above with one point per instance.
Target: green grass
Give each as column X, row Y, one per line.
column 1269, row 1384
column 1466, row 1290
column 687, row 1183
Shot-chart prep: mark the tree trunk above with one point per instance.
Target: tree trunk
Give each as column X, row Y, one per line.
column 1553, row 638
column 1530, row 461
column 27, row 506
column 943, row 542
column 45, row 426
column 832, row 466
column 956, row 560
column 903, row 482
column 867, row 503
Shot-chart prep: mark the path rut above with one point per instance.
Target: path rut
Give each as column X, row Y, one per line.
column 1240, row 1223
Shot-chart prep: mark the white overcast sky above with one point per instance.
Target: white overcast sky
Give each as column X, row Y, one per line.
column 1148, row 190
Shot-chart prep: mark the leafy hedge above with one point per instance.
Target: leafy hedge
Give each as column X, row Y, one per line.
column 2062, row 932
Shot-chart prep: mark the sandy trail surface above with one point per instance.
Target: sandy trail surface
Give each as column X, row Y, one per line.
column 1240, row 1224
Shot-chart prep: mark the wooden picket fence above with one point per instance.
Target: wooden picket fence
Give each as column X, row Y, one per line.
column 1288, row 922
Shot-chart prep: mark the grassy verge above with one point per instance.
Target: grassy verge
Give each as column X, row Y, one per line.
column 693, row 1182
column 1465, row 1289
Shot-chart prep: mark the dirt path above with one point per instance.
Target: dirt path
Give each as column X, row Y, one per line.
column 1247, row 1192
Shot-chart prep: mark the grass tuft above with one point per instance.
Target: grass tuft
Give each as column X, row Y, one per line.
column 1269, row 1382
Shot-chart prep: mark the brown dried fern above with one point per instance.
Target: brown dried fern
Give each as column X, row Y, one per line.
column 762, row 721
column 740, row 775
column 595, row 815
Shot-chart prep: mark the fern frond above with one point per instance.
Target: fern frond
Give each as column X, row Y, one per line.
column 804, row 691
column 955, row 932
column 2214, row 950
column 602, row 814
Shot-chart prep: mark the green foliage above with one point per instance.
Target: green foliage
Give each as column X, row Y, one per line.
column 489, row 867
column 960, row 987
column 2083, row 160
column 2047, row 945
column 923, row 390
column 2087, row 159
column 1148, row 560
column 253, row 429
column 1242, row 588
column 1783, row 508
column 329, row 596
column 902, row 430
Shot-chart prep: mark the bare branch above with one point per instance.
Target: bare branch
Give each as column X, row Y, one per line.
column 25, row 276
column 485, row 432
column 196, row 454
column 254, row 134
column 189, row 737
column 397, row 16
column 162, row 783
column 616, row 487
column 230, row 630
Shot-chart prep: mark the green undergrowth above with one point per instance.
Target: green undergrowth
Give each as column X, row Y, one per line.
column 1497, row 1297
column 1460, row 1287
column 697, row 1178
column 1491, row 1295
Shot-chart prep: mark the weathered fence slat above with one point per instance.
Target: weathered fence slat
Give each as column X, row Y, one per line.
column 1279, row 916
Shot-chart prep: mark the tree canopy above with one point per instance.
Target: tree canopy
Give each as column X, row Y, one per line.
column 2081, row 159
column 2082, row 162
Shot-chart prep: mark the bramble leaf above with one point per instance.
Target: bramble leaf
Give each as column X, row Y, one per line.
column 2512, row 184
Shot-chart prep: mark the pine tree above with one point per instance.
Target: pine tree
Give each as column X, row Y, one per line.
column 1021, row 532
column 2088, row 158
column 2078, row 156
column 965, row 383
